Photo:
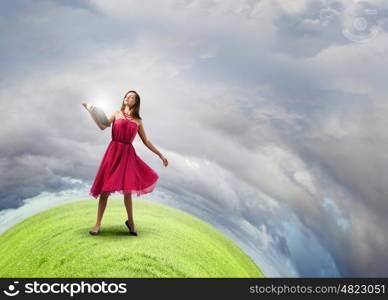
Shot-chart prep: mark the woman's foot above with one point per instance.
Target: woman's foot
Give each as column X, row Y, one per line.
column 95, row 229
column 131, row 227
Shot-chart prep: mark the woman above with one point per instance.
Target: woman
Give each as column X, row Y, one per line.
column 121, row 170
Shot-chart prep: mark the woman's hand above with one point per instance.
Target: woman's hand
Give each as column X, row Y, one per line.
column 88, row 106
column 165, row 161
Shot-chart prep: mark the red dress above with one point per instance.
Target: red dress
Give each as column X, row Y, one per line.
column 121, row 170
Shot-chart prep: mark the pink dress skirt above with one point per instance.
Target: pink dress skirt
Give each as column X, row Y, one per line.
column 121, row 170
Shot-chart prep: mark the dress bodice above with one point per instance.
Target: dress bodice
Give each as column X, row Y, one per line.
column 124, row 130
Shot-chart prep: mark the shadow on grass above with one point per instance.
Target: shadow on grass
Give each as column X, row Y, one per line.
column 113, row 231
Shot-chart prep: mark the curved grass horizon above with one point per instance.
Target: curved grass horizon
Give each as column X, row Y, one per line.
column 171, row 243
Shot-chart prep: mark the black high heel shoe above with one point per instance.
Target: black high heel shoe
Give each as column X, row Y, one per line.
column 130, row 229
column 95, row 232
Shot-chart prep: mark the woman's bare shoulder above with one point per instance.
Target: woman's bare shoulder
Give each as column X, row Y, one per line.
column 139, row 122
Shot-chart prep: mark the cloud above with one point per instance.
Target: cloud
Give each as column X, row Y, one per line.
column 272, row 120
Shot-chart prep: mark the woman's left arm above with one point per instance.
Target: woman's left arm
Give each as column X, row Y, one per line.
column 148, row 143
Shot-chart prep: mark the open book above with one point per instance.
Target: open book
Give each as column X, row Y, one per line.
column 100, row 115
column 97, row 114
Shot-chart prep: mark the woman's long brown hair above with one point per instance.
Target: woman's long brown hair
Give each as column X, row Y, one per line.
column 136, row 107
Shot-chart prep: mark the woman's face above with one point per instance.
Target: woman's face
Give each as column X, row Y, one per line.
column 130, row 99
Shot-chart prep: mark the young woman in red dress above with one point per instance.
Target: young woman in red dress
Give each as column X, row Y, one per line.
column 121, row 169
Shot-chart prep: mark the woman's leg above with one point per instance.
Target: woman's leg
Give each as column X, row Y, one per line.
column 101, row 208
column 128, row 206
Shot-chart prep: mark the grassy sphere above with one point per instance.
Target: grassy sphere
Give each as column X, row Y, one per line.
column 170, row 243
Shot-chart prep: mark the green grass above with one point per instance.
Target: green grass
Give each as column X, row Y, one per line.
column 170, row 243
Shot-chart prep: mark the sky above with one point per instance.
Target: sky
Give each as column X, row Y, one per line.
column 271, row 113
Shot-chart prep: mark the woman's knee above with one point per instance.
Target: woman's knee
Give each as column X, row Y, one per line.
column 105, row 195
